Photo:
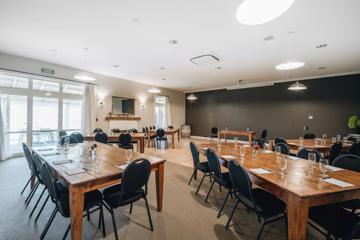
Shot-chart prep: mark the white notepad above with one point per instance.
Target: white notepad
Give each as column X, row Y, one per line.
column 259, row 170
column 123, row 166
column 228, row 156
column 293, row 158
column 74, row 171
column 332, row 168
column 338, row 182
column 58, row 162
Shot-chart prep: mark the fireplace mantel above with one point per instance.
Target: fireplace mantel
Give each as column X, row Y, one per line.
column 123, row 118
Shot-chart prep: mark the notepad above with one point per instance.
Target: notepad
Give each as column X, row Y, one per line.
column 50, row 154
column 45, row 149
column 74, row 171
column 338, row 182
column 58, row 162
column 228, row 156
column 293, row 158
column 260, row 170
column 123, row 166
column 266, row 151
column 334, row 169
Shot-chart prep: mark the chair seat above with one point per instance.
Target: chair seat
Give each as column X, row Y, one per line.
column 203, row 167
column 161, row 138
column 336, row 220
column 130, row 146
column 352, row 204
column 267, row 203
column 224, row 181
column 114, row 198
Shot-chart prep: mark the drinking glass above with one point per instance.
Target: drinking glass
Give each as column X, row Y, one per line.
column 278, row 150
column 128, row 155
column 236, row 140
column 248, row 129
column 242, row 152
column 301, row 140
column 219, row 144
column 282, row 163
column 333, row 140
column 311, row 161
column 323, row 166
column 66, row 144
column 324, row 136
column 338, row 137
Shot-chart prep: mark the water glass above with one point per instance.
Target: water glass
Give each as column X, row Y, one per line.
column 324, row 136
column 278, row 150
column 333, row 140
column 311, row 160
column 324, row 167
column 248, row 129
column 66, row 144
column 301, row 140
column 128, row 155
column 282, row 163
column 338, row 137
column 219, row 144
column 236, row 141
column 242, row 152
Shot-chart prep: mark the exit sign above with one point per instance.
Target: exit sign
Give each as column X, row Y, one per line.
column 48, row 71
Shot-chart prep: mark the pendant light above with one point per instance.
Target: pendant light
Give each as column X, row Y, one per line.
column 191, row 97
column 84, row 75
column 297, row 86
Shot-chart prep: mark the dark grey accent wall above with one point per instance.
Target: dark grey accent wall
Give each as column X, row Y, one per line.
column 284, row 113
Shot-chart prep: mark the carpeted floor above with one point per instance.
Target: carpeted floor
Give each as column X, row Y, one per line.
column 185, row 215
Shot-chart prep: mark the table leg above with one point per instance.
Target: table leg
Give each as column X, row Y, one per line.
column 159, row 176
column 178, row 132
column 173, row 140
column 149, row 139
column 142, row 143
column 298, row 210
column 76, row 199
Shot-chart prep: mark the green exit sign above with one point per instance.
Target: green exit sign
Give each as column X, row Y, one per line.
column 48, row 71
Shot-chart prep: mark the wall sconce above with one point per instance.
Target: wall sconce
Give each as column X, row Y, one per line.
column 101, row 101
column 142, row 106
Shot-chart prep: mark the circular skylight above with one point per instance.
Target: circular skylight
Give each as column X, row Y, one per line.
column 289, row 65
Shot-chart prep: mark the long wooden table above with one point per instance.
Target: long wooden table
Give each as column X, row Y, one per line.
column 168, row 131
column 139, row 137
column 109, row 174
column 249, row 134
column 299, row 189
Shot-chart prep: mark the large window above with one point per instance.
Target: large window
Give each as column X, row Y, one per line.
column 33, row 110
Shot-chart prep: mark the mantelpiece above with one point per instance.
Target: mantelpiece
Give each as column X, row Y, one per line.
column 125, row 118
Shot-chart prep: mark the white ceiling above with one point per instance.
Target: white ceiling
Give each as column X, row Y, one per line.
column 34, row 28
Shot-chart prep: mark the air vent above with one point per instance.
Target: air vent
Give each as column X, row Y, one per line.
column 205, row 60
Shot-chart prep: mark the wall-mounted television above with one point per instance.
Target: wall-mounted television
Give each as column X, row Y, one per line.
column 122, row 105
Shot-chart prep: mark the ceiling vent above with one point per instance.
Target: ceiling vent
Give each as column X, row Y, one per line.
column 242, row 85
column 205, row 60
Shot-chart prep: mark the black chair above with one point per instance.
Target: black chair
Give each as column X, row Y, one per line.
column 134, row 178
column 264, row 204
column 154, row 127
column 309, row 136
column 115, row 130
column 160, row 137
column 76, row 137
column 198, row 166
column 29, row 160
column 336, row 222
column 260, row 142
column 150, row 127
column 355, row 149
column 284, row 148
column 213, row 133
column 97, row 130
column 264, row 134
column 62, row 133
column 101, row 137
column 170, row 127
column 334, row 152
column 125, row 141
column 152, row 136
column 280, row 140
column 60, row 197
column 304, row 153
column 223, row 179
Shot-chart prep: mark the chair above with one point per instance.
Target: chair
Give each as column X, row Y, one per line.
column 284, row 148
column 260, row 142
column 355, row 149
column 115, row 130
column 150, row 127
column 125, row 141
column 336, row 221
column 152, row 136
column 60, row 197
column 223, row 179
column 101, row 137
column 334, row 152
column 304, row 153
column 213, row 133
column 62, row 133
column 154, row 127
column 264, row 134
column 280, row 140
column 134, row 178
column 265, row 205
column 76, row 137
column 160, row 137
column 170, row 127
column 198, row 166
column 309, row 136
column 97, row 130
column 29, row 160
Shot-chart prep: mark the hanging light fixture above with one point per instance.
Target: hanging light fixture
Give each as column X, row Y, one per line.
column 154, row 90
column 84, row 75
column 192, row 97
column 297, row 86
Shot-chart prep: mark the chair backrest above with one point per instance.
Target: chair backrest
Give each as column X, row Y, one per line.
column 304, row 153
column 170, row 127
column 135, row 176
column 280, row 140
column 146, row 130
column 48, row 180
column 38, row 161
column 62, row 133
column 259, row 142
column 195, row 154
column 355, row 149
column 115, row 130
column 309, row 136
column 143, row 130
column 97, row 130
column 124, row 139
column 29, row 159
column 101, row 137
column 264, row 134
column 76, row 137
column 348, row 161
column 151, row 128
column 133, row 130
column 214, row 130
column 240, row 180
column 284, row 148
column 334, row 151
column 154, row 127
column 213, row 162
column 160, row 132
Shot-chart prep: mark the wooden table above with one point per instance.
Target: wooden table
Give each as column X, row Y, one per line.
column 168, row 131
column 109, row 174
column 249, row 134
column 140, row 137
column 298, row 188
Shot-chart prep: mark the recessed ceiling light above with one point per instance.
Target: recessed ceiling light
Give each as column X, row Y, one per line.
column 254, row 12
column 173, row 42
column 115, row 66
column 321, row 68
column 135, row 20
column 323, row 45
column 53, row 50
column 164, row 79
column 268, row 38
column 84, row 76
column 289, row 65
column 219, row 68
column 291, row 32
column 162, row 68
column 154, row 90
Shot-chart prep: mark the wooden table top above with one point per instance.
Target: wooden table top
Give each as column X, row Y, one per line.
column 109, row 158
column 296, row 179
column 134, row 135
column 314, row 143
column 236, row 132
column 167, row 130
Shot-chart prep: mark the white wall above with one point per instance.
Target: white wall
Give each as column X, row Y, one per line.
column 106, row 88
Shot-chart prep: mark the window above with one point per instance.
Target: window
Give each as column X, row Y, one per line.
column 46, row 86
column 160, row 111
column 73, row 89
column 72, row 113
column 13, row 82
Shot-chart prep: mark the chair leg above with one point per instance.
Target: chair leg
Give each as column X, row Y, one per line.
column 131, row 206
column 192, row 176
column 219, row 187
column 114, row 224
column 207, row 196
column 37, row 202
column 103, row 220
column 48, row 224
column 201, row 181
column 286, row 225
column 261, row 229
column 149, row 215
column 223, row 204
column 22, row 191
column 66, row 232
column 232, row 214
column 31, row 194
column 88, row 215
column 42, row 208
